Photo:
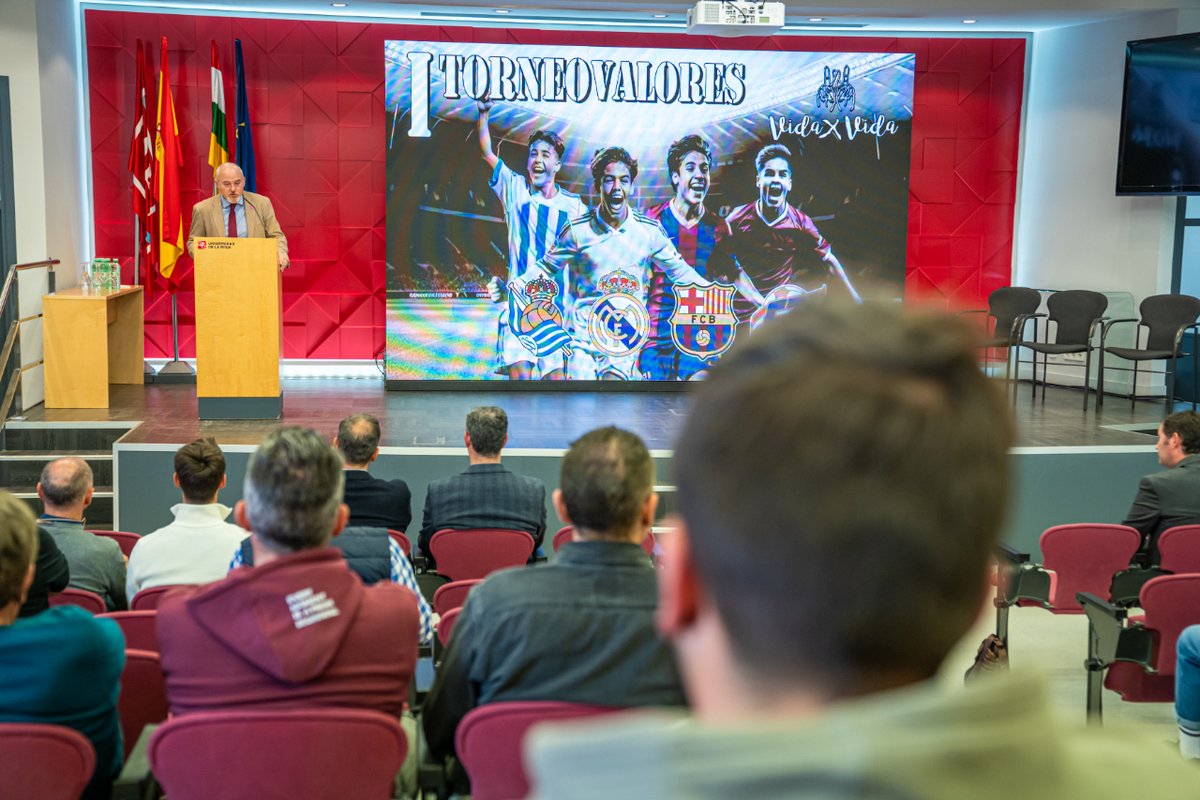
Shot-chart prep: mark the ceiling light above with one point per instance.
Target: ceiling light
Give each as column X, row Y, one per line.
column 816, row 19
column 339, row 5
column 660, row 16
column 501, row 10
column 968, row 22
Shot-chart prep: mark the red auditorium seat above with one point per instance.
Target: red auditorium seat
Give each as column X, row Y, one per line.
column 477, row 552
column 138, row 627
column 88, row 601
column 315, row 754
column 450, row 596
column 123, row 538
column 44, row 762
column 143, row 699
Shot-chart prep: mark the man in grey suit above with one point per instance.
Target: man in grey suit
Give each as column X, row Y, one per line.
column 486, row 495
column 1170, row 497
column 236, row 213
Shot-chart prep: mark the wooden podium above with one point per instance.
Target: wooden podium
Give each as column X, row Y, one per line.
column 238, row 329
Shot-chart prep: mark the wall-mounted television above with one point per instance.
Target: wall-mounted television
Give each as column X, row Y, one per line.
column 1160, row 117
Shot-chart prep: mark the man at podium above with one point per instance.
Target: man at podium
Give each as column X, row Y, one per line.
column 236, row 213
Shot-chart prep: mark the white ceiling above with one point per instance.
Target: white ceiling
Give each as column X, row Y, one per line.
column 872, row 17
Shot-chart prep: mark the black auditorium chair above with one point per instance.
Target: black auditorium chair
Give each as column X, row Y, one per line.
column 1009, row 310
column 1165, row 318
column 1074, row 315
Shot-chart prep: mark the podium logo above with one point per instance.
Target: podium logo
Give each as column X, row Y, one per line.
column 201, row 245
column 214, row 245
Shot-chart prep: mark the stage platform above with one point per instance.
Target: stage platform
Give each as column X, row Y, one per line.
column 1069, row 466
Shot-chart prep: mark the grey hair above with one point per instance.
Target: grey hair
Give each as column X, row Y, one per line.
column 61, row 487
column 487, row 426
column 293, row 488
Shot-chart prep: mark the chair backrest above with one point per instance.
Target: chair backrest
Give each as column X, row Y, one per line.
column 316, row 754
column 563, row 536
column 148, row 599
column 1179, row 548
column 450, row 596
column 143, row 699
column 1085, row 557
column 445, row 625
column 88, row 601
column 477, row 552
column 1164, row 314
column 489, row 741
column 1171, row 603
column 402, row 540
column 123, row 538
column 1074, row 311
column 44, row 762
column 1007, row 303
column 138, row 627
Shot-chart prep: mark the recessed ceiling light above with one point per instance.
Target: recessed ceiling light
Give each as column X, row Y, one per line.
column 660, row 16
column 968, row 22
column 339, row 5
column 816, row 19
column 501, row 10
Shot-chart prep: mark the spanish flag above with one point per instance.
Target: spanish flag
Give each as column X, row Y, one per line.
column 218, row 140
column 168, row 159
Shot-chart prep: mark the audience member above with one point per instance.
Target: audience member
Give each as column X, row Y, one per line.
column 61, row 667
column 372, row 555
column 1187, row 691
column 96, row 562
column 373, row 502
column 299, row 629
column 842, row 478
column 195, row 547
column 486, row 494
column 580, row 629
column 51, row 574
column 1170, row 497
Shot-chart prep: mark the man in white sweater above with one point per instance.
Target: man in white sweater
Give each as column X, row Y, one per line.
column 196, row 547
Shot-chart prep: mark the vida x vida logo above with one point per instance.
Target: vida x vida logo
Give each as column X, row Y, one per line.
column 836, row 93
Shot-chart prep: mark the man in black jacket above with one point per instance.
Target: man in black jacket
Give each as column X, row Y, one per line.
column 1171, row 497
column 373, row 502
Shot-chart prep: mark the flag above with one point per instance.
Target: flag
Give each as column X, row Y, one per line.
column 141, row 163
column 168, row 159
column 241, row 128
column 218, row 140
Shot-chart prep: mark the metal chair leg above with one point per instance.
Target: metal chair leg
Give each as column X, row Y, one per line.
column 1087, row 374
column 1095, row 681
column 1133, row 389
column 1171, row 386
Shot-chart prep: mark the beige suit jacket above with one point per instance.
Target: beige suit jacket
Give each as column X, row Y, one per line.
column 207, row 220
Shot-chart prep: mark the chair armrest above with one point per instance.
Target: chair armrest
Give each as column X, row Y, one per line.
column 1101, row 321
column 1110, row 640
column 1005, row 553
column 1110, row 323
column 1030, row 582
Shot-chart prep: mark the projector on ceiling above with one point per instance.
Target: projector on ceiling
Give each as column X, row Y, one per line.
column 734, row 18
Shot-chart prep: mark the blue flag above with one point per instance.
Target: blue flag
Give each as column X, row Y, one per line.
column 244, row 155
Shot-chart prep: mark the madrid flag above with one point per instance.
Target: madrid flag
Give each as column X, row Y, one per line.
column 168, row 160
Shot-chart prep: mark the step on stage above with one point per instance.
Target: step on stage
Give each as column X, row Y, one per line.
column 1070, row 466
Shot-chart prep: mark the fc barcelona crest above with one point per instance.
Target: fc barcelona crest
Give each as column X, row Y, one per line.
column 703, row 324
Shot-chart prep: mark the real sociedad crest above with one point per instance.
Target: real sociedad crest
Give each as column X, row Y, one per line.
column 619, row 325
column 703, row 324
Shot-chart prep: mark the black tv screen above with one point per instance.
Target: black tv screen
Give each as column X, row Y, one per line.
column 1160, row 117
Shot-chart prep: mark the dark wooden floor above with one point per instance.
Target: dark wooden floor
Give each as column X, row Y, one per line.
column 542, row 419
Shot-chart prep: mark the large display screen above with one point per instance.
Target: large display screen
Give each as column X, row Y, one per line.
column 1160, row 117
column 600, row 213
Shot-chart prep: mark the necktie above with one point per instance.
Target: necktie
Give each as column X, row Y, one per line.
column 232, row 225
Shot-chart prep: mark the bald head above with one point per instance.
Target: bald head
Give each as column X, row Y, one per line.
column 230, row 181
column 358, row 440
column 66, row 487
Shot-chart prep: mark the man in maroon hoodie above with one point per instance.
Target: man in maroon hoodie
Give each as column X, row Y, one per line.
column 299, row 628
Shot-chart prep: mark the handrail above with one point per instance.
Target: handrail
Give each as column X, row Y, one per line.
column 46, row 262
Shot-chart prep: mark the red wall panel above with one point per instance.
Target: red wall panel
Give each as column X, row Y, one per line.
column 317, row 105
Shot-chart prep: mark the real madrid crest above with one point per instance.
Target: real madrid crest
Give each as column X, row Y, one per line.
column 619, row 324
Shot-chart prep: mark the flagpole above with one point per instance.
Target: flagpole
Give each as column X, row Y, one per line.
column 176, row 370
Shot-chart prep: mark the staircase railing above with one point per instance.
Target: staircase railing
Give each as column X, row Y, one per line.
column 14, row 331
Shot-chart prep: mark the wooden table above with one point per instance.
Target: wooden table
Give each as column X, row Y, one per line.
column 91, row 339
